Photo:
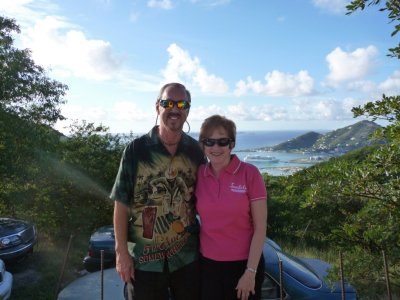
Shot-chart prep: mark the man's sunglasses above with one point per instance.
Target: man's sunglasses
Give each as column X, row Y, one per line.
column 222, row 142
column 169, row 104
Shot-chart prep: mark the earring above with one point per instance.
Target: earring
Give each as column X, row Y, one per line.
column 188, row 126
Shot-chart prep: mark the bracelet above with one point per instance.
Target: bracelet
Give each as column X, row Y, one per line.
column 251, row 270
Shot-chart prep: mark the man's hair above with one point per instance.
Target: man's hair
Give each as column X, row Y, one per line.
column 174, row 84
column 214, row 122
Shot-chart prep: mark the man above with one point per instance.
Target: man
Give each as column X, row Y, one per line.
column 156, row 240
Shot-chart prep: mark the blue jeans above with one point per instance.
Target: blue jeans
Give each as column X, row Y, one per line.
column 182, row 284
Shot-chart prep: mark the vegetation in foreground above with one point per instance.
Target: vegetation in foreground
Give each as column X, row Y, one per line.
column 349, row 204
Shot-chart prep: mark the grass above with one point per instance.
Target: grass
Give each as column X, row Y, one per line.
column 365, row 290
column 37, row 275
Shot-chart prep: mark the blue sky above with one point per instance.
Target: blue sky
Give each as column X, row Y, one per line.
column 266, row 64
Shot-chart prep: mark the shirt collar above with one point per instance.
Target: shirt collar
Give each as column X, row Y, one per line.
column 232, row 168
column 155, row 138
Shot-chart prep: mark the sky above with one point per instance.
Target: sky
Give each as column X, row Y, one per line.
column 265, row 64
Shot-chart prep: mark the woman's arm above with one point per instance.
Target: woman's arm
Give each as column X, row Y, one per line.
column 246, row 283
column 259, row 215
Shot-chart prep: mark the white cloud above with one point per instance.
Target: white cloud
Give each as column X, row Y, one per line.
column 325, row 109
column 332, row 6
column 278, row 84
column 199, row 113
column 391, row 86
column 241, row 112
column 58, row 44
column 69, row 51
column 348, row 103
column 94, row 114
column 163, row 4
column 182, row 67
column 365, row 86
column 130, row 111
column 350, row 65
column 26, row 12
column 129, row 79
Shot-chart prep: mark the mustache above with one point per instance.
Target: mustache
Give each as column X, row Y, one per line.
column 173, row 114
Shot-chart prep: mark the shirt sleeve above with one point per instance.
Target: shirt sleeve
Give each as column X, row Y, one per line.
column 122, row 190
column 257, row 189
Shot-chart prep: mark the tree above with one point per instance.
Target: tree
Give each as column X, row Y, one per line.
column 366, row 193
column 25, row 90
column 353, row 201
column 393, row 9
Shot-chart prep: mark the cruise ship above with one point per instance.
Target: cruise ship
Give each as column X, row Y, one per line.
column 261, row 158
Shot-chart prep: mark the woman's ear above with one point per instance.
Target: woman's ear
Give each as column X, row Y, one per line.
column 232, row 145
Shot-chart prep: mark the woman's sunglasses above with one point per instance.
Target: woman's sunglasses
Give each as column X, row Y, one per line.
column 222, row 142
column 169, row 104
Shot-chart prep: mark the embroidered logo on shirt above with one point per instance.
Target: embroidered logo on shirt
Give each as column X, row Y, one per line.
column 238, row 188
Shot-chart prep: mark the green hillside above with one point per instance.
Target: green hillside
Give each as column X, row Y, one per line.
column 341, row 140
column 303, row 141
column 347, row 138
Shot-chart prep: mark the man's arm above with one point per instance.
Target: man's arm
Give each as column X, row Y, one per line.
column 124, row 262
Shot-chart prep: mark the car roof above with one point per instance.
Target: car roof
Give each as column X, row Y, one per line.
column 103, row 234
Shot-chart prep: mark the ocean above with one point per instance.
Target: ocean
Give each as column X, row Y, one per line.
column 258, row 139
column 274, row 163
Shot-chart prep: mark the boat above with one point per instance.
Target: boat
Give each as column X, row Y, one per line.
column 261, row 158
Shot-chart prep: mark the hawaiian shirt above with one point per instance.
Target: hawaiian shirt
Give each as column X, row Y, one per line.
column 159, row 190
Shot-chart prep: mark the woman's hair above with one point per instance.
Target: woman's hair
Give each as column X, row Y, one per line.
column 214, row 122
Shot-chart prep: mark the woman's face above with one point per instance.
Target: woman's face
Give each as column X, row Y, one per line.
column 220, row 152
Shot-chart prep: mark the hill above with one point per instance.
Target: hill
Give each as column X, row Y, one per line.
column 303, row 141
column 339, row 141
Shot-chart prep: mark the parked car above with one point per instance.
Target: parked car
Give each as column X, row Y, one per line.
column 101, row 239
column 6, row 280
column 17, row 238
column 303, row 278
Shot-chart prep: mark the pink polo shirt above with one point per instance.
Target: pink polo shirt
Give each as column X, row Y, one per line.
column 224, row 207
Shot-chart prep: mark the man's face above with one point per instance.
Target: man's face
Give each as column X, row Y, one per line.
column 172, row 118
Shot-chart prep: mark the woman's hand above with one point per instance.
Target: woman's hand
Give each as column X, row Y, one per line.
column 246, row 285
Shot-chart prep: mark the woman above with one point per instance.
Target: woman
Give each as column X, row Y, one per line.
column 231, row 202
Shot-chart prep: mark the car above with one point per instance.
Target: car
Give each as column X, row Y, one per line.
column 102, row 239
column 302, row 278
column 6, row 280
column 17, row 238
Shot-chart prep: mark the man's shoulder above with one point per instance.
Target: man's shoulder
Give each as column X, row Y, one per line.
column 144, row 139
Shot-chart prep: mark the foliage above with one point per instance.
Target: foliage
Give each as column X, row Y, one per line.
column 340, row 140
column 393, row 9
column 60, row 183
column 24, row 88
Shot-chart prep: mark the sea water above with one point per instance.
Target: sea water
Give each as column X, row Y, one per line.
column 250, row 142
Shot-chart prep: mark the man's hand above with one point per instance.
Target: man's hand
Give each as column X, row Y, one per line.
column 125, row 267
